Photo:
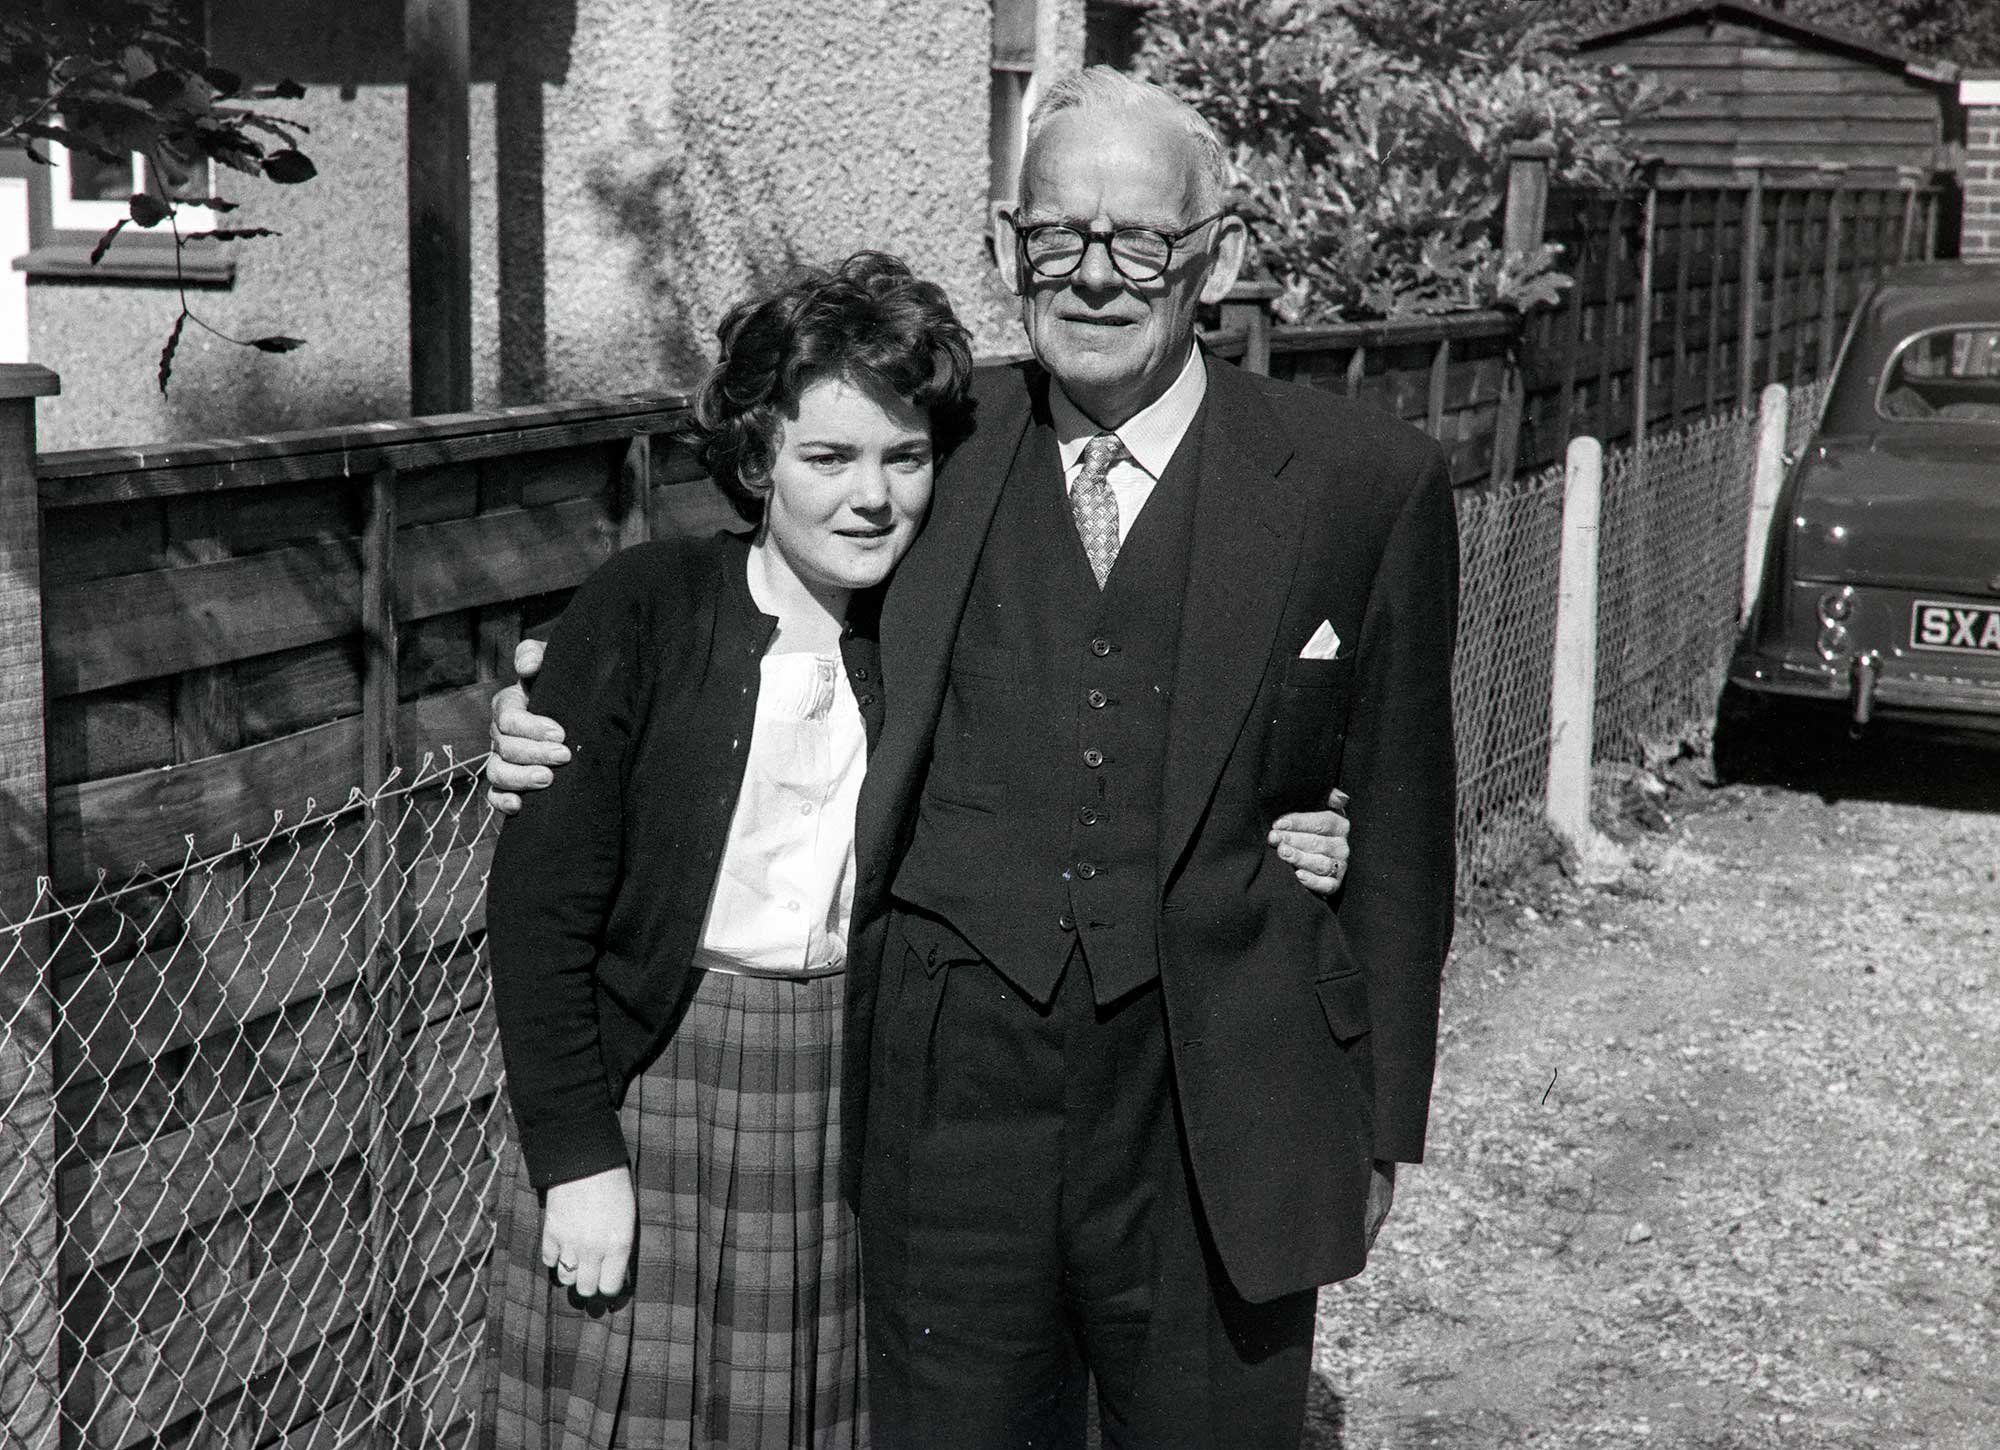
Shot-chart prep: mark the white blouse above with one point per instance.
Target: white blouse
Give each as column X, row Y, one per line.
column 785, row 889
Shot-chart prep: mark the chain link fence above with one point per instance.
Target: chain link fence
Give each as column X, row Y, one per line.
column 249, row 1116
column 252, row 1129
column 1670, row 579
column 1509, row 546
column 1670, row 576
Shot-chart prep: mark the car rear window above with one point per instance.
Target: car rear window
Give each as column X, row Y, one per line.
column 1945, row 374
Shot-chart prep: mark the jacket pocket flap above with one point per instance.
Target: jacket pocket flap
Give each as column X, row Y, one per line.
column 1344, row 999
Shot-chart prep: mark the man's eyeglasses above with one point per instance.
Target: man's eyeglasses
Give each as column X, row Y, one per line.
column 1140, row 254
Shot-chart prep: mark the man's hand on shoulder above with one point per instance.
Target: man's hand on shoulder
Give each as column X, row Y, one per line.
column 526, row 746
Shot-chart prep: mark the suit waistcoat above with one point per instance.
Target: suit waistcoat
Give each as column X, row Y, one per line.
column 1038, row 822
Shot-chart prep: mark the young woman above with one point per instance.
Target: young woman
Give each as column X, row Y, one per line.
column 668, row 919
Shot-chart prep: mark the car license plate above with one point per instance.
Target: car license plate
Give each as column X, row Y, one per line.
column 1964, row 628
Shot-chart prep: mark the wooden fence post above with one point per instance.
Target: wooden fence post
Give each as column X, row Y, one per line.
column 1573, row 684
column 1642, row 349
column 1523, row 230
column 1527, row 215
column 437, row 45
column 1773, row 416
column 1829, row 294
column 381, row 995
column 30, row 1301
column 1748, row 282
column 1248, row 306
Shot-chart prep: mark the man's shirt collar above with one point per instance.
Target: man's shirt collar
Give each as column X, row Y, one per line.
column 1150, row 435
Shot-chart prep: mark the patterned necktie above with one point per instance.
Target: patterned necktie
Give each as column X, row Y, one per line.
column 1093, row 505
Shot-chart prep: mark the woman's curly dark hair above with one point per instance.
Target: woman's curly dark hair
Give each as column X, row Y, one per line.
column 869, row 319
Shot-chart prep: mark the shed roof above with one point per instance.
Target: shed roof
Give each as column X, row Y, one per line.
column 1918, row 68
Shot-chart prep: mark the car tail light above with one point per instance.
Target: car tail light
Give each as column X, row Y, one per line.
column 1836, row 605
column 1832, row 642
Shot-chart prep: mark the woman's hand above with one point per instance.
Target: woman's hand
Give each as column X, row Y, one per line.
column 1314, row 844
column 587, row 1228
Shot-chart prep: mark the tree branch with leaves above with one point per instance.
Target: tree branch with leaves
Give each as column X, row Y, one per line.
column 112, row 79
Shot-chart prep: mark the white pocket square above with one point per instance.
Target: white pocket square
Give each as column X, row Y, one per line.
column 1324, row 644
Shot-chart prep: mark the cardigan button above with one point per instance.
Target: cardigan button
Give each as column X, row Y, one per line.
column 1065, row 922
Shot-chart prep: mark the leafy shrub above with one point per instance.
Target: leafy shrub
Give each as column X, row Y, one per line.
column 1369, row 140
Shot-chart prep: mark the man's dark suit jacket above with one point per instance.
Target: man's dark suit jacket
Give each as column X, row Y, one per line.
column 1303, row 1034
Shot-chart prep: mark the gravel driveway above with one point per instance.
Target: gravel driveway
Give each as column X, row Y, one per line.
column 1715, row 1151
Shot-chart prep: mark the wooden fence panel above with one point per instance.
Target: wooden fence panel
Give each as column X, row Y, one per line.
column 218, row 616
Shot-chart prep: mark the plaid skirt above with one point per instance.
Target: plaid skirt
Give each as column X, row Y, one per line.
column 743, row 1327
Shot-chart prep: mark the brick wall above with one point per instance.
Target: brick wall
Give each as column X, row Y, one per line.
column 1979, row 233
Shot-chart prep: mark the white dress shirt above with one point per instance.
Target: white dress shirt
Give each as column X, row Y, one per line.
column 1150, row 436
column 785, row 889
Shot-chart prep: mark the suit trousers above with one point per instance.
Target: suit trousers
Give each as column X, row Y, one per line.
column 1029, row 1225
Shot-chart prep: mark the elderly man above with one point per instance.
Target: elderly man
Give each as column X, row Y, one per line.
column 1130, row 1094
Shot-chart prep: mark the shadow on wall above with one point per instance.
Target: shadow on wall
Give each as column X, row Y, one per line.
column 696, row 220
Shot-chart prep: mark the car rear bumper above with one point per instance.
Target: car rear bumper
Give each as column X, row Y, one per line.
column 1876, row 690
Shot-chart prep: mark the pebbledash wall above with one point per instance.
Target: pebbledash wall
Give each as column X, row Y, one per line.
column 1979, row 235
column 636, row 164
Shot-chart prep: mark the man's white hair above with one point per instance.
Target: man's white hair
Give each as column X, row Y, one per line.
column 1100, row 88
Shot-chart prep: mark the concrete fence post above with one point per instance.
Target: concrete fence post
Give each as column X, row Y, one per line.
column 1573, row 684
column 1773, row 425
column 29, row 1292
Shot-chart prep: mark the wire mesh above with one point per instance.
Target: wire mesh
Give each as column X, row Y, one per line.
column 1670, row 578
column 1509, row 546
column 254, row 1113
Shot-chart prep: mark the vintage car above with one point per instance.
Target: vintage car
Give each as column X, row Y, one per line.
column 1880, row 595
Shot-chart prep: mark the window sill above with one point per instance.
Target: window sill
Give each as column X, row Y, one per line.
column 140, row 266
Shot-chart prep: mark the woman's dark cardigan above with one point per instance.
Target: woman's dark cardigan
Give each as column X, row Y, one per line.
column 600, row 884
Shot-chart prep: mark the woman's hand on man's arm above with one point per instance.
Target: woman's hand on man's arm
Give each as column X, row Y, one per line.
column 1314, row 844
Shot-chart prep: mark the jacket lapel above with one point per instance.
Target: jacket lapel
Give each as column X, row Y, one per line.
column 1244, row 551
column 921, row 612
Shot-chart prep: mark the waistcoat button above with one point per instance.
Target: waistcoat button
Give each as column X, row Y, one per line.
column 1086, row 869
column 1066, row 922
column 1100, row 647
column 1093, row 757
column 1088, row 815
column 1096, row 699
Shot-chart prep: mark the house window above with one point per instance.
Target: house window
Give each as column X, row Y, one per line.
column 90, row 194
column 78, row 197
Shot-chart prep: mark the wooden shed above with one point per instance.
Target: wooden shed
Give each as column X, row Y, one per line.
column 1760, row 89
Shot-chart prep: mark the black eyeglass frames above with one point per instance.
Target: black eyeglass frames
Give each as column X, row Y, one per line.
column 1140, row 254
